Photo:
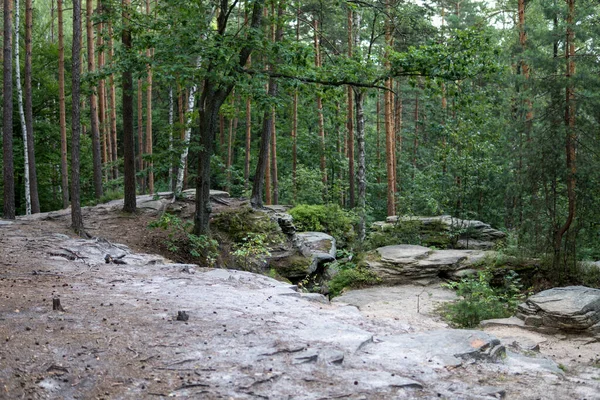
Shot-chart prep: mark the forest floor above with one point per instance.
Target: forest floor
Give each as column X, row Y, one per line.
column 247, row 337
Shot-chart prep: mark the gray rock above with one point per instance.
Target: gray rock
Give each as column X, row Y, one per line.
column 440, row 349
column 572, row 308
column 316, row 297
column 406, row 263
column 319, row 246
column 468, row 234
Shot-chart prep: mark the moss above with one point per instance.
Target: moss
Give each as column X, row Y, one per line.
column 295, row 267
column 412, row 231
column 351, row 278
column 237, row 223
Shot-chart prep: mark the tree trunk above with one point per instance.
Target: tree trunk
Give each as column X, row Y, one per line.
column 230, row 140
column 186, row 141
column 321, row 120
column 7, row 121
column 21, row 108
column 416, row 138
column 571, row 134
column 210, row 103
column 96, row 157
column 76, row 216
column 362, row 166
column 248, row 143
column 113, row 108
column 350, row 119
column 262, row 165
column 149, row 144
column 140, row 134
column 399, row 138
column 35, row 201
column 171, row 132
column 62, row 107
column 102, row 95
column 389, row 129
column 129, row 203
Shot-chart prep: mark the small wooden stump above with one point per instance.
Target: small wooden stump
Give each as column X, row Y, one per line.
column 182, row 316
column 56, row 305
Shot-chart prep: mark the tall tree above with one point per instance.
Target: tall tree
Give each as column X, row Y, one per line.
column 7, row 121
column 33, row 186
column 21, row 108
column 64, row 174
column 262, row 165
column 96, row 157
column 571, row 133
column 149, row 144
column 211, row 100
column 76, row 215
column 113, row 106
column 389, row 127
column 129, row 203
column 321, row 117
column 350, row 120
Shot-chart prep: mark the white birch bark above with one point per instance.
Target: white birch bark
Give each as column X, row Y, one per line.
column 21, row 111
column 186, row 140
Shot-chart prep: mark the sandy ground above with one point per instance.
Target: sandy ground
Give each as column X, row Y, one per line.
column 118, row 337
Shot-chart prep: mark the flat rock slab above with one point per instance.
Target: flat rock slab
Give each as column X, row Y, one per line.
column 247, row 336
column 406, row 263
column 409, row 306
column 572, row 308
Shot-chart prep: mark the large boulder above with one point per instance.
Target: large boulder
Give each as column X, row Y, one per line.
column 406, row 263
column 442, row 231
column 571, row 308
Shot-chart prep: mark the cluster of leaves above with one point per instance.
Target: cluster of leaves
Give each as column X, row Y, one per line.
column 350, row 273
column 253, row 246
column 412, row 232
column 180, row 238
column 330, row 218
column 480, row 301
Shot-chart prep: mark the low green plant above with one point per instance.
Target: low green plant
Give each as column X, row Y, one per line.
column 330, row 218
column 253, row 246
column 350, row 274
column 180, row 238
column 480, row 301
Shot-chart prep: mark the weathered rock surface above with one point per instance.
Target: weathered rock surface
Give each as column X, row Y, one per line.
column 444, row 231
column 405, row 263
column 247, row 336
column 571, row 308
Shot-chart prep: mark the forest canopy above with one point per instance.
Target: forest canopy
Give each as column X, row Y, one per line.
column 482, row 110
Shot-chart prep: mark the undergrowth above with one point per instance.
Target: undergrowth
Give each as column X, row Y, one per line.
column 480, row 301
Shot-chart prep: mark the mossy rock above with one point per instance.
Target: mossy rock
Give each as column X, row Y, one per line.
column 237, row 223
column 416, row 232
column 294, row 268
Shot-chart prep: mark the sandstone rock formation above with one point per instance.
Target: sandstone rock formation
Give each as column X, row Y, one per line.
column 405, row 263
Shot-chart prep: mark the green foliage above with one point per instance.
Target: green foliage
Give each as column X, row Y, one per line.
column 480, row 301
column 330, row 218
column 350, row 274
column 180, row 239
column 253, row 246
column 412, row 231
column 239, row 223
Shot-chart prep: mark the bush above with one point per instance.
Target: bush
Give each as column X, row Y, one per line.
column 180, row 239
column 481, row 301
column 351, row 273
column 330, row 218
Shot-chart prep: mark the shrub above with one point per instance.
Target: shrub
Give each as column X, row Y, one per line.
column 480, row 301
column 331, row 219
column 351, row 273
column 179, row 239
